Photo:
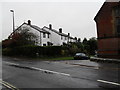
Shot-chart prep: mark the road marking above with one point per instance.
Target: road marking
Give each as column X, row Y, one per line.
column 7, row 85
column 94, row 67
column 103, row 81
column 39, row 69
column 11, row 63
column 44, row 70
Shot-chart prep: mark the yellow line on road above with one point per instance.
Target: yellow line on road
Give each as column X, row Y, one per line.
column 11, row 87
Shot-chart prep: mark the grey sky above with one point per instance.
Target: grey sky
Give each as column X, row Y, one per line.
column 73, row 17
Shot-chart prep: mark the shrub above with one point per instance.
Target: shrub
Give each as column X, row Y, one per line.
column 7, row 51
column 33, row 51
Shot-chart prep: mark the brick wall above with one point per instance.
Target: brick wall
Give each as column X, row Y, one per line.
column 108, row 42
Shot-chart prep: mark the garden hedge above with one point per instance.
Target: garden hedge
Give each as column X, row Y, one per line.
column 33, row 51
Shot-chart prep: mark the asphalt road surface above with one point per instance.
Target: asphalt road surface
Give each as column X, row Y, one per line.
column 24, row 73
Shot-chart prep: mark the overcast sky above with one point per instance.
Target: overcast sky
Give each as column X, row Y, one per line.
column 76, row 18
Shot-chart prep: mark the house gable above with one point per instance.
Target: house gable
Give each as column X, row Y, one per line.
column 108, row 37
column 105, row 20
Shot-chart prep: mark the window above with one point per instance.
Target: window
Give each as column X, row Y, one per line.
column 48, row 36
column 65, row 38
column 49, row 43
column 61, row 37
column 36, row 41
column 44, row 35
column 117, row 19
column 44, row 44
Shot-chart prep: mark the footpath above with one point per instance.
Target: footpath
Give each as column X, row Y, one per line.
column 96, row 59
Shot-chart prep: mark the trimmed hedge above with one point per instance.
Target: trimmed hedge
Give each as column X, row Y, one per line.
column 33, row 51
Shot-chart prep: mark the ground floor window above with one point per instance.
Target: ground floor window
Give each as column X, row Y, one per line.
column 44, row 35
column 44, row 44
column 49, row 43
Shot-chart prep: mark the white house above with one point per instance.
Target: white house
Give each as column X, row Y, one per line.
column 46, row 36
column 58, row 38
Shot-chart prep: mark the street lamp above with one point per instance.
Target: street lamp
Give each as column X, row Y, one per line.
column 13, row 20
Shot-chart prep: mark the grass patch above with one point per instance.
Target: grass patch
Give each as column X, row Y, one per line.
column 56, row 58
column 45, row 58
column 62, row 58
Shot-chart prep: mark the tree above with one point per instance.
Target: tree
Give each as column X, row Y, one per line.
column 75, row 39
column 24, row 38
column 79, row 40
column 19, row 38
column 85, row 41
column 73, row 49
column 93, row 45
column 90, row 46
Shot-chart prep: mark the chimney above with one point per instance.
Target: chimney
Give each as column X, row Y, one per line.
column 68, row 34
column 60, row 30
column 29, row 22
column 50, row 26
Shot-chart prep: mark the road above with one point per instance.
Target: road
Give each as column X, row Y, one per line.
column 23, row 73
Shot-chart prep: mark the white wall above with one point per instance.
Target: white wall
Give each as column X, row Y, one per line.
column 46, row 39
column 40, row 40
column 54, row 38
column 34, row 31
column 64, row 40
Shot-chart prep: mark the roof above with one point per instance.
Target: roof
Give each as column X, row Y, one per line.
column 32, row 26
column 62, row 34
column 39, row 29
column 107, row 5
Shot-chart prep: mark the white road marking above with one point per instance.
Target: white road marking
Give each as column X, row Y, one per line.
column 103, row 81
column 50, row 71
column 94, row 67
column 11, row 63
column 44, row 70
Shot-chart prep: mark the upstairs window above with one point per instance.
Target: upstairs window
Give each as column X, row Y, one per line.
column 44, row 35
column 65, row 38
column 117, row 19
column 48, row 36
column 61, row 37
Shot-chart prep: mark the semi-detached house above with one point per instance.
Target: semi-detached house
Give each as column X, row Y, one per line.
column 46, row 36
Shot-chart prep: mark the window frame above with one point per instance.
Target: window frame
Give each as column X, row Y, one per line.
column 61, row 37
column 44, row 35
column 48, row 36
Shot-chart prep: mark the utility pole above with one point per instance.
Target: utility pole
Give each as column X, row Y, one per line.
column 13, row 20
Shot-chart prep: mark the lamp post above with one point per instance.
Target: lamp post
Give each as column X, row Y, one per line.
column 13, row 20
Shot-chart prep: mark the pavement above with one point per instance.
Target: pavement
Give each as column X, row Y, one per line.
column 105, row 60
column 23, row 74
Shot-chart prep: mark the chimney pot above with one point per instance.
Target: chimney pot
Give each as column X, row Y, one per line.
column 68, row 34
column 50, row 26
column 29, row 22
column 60, row 30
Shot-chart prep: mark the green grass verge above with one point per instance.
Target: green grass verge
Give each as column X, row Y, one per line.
column 46, row 58
column 56, row 58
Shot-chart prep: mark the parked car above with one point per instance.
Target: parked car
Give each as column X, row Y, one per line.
column 81, row 56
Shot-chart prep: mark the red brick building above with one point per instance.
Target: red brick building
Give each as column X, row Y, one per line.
column 108, row 30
